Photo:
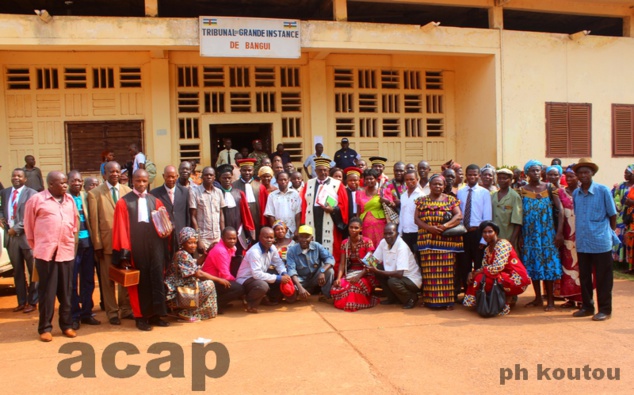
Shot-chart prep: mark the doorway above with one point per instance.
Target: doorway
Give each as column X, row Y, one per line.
column 241, row 135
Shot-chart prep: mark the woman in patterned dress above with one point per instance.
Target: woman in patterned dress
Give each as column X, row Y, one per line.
column 370, row 208
column 540, row 238
column 438, row 252
column 186, row 272
column 352, row 292
column 500, row 263
column 569, row 284
column 619, row 192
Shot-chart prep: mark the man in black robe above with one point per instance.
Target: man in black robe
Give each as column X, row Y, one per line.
column 136, row 244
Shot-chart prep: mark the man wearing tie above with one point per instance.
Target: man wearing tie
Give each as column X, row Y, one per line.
column 475, row 203
column 101, row 204
column 12, row 218
column 227, row 156
column 175, row 198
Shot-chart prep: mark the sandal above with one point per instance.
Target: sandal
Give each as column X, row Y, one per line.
column 549, row 308
column 251, row 310
column 534, row 303
column 568, row 305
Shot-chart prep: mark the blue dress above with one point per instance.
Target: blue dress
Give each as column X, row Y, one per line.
column 539, row 255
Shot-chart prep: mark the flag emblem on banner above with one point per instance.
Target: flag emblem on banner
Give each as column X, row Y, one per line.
column 290, row 25
column 210, row 21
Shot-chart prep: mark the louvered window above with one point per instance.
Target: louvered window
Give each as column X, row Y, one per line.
column 622, row 130
column 568, row 129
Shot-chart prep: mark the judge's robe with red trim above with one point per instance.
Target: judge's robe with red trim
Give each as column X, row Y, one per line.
column 236, row 217
column 138, row 243
column 328, row 228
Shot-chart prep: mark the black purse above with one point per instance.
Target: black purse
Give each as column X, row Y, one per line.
column 555, row 209
column 457, row 230
column 492, row 303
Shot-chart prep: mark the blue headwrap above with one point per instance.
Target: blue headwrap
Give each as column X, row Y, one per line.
column 571, row 168
column 488, row 167
column 530, row 164
column 630, row 168
column 554, row 167
column 185, row 234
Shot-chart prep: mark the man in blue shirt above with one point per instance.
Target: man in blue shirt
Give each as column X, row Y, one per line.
column 84, row 268
column 595, row 214
column 475, row 205
column 310, row 265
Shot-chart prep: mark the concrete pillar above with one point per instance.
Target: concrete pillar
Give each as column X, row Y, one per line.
column 340, row 10
column 151, row 7
column 161, row 141
column 318, row 108
column 628, row 25
column 496, row 17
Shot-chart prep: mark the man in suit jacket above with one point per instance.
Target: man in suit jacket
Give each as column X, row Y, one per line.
column 12, row 217
column 101, row 204
column 175, row 198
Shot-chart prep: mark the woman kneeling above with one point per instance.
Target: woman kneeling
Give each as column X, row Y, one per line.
column 500, row 262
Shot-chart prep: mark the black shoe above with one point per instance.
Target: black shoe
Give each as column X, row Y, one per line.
column 583, row 313
column 128, row 317
column 387, row 301
column 157, row 321
column 115, row 321
column 142, row 324
column 90, row 321
column 601, row 317
column 75, row 325
column 410, row 304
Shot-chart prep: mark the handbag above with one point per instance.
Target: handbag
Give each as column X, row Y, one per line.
column 391, row 215
column 492, row 303
column 457, row 230
column 188, row 297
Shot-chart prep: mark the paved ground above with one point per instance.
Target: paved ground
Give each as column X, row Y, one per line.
column 314, row 348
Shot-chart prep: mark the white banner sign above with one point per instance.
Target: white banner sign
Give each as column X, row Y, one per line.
column 249, row 37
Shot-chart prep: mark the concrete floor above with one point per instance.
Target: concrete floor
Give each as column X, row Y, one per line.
column 313, row 348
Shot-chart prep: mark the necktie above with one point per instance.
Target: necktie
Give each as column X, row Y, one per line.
column 467, row 211
column 171, row 193
column 228, row 157
column 114, row 195
column 15, row 204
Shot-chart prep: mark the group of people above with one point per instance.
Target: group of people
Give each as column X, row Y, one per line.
column 257, row 233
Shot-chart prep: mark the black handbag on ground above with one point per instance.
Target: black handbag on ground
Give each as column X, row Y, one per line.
column 492, row 303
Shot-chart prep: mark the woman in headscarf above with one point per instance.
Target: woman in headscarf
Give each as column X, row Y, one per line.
column 487, row 178
column 553, row 175
column 569, row 286
column 282, row 242
column 540, row 237
column 265, row 174
column 435, row 213
column 185, row 271
column 619, row 192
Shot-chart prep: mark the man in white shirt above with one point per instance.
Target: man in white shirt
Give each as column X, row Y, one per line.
column 399, row 274
column 310, row 161
column 12, row 204
column 139, row 158
column 228, row 155
column 284, row 204
column 253, row 270
column 475, row 204
column 407, row 228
